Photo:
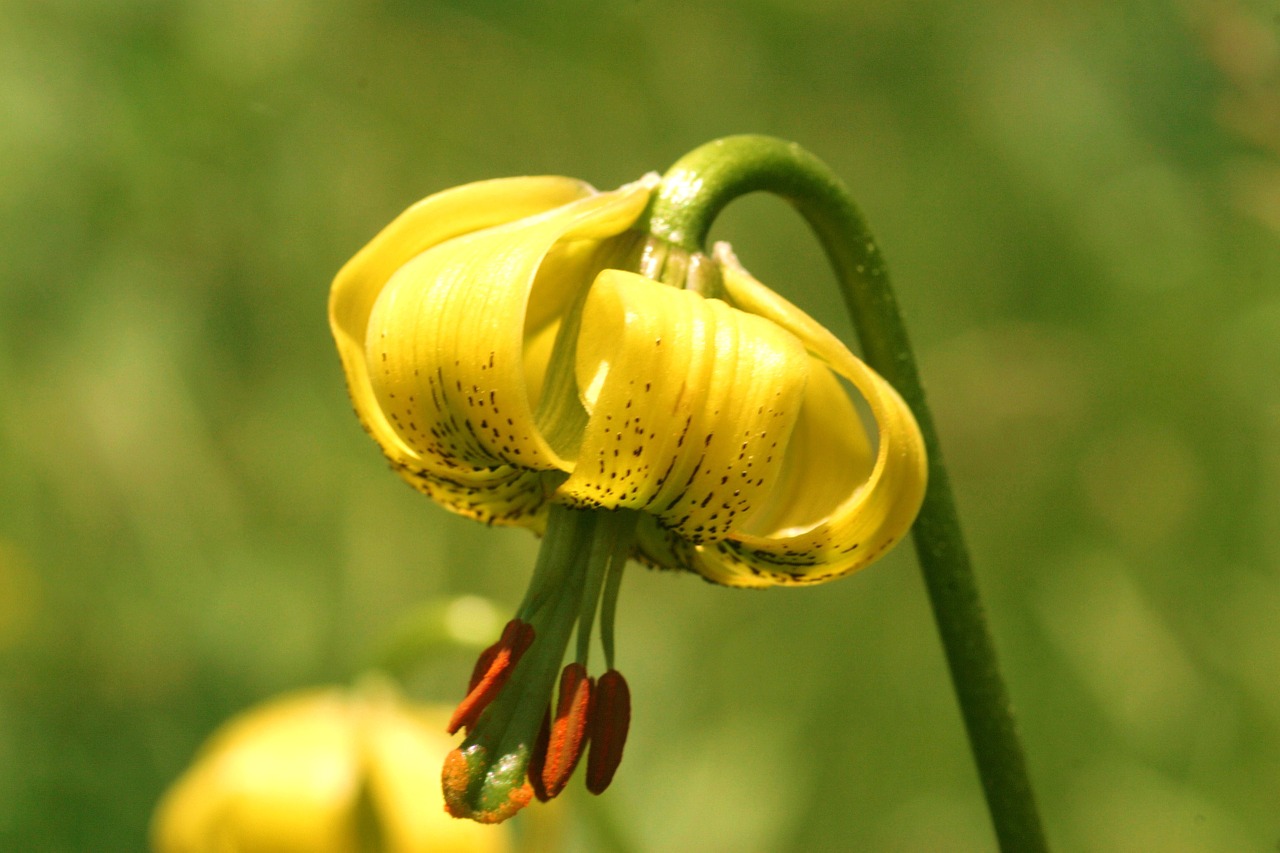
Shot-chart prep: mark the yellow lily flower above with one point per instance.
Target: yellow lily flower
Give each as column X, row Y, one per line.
column 321, row 771
column 504, row 352
column 735, row 440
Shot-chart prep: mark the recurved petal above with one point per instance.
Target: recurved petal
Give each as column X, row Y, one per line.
column 433, row 220
column 446, row 337
column 872, row 516
column 828, row 457
column 691, row 405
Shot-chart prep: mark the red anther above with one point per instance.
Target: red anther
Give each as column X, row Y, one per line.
column 569, row 730
column 494, row 668
column 610, row 719
column 538, row 758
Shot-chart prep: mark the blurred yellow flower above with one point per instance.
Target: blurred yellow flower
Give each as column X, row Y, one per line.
column 321, row 771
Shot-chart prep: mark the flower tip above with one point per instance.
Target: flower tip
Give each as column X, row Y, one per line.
column 473, row 791
column 648, row 180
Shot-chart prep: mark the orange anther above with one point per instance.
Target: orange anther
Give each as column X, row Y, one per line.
column 568, row 730
column 482, row 665
column 491, row 672
column 610, row 719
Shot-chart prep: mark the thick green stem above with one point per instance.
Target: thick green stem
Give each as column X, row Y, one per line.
column 691, row 195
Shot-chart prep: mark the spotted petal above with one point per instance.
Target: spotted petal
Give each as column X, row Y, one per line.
column 428, row 223
column 430, row 322
column 691, row 403
column 872, row 516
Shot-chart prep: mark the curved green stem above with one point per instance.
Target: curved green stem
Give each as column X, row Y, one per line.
column 691, row 195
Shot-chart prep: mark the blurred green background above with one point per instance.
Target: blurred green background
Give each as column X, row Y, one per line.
column 1081, row 206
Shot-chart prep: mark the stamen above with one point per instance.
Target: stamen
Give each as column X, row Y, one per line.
column 609, row 598
column 610, row 720
column 569, row 730
column 538, row 759
column 491, row 673
column 603, row 551
column 483, row 663
column 515, row 750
